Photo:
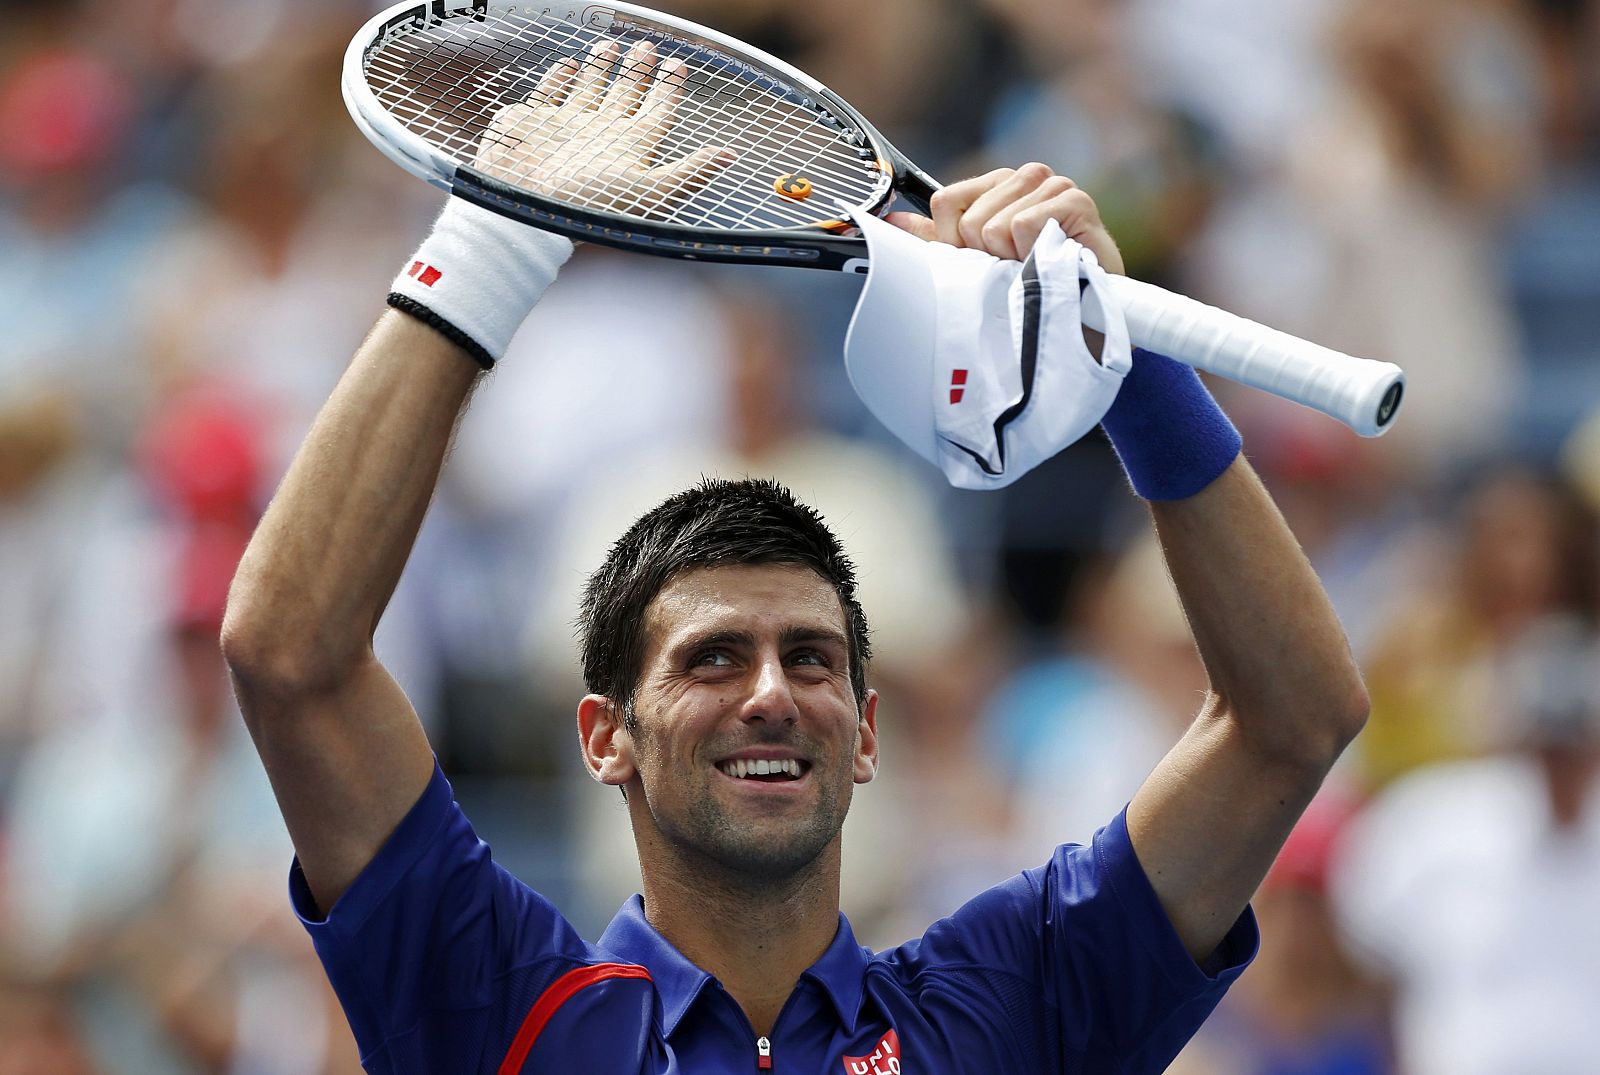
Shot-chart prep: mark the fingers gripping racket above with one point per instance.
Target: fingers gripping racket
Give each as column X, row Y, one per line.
column 624, row 126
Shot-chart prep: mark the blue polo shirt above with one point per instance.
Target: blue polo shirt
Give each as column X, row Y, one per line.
column 447, row 964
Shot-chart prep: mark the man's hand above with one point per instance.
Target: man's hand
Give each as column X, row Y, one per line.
column 1004, row 213
column 579, row 140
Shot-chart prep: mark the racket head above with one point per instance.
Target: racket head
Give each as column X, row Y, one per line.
column 426, row 80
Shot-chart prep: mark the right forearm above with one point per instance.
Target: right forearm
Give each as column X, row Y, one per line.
column 329, row 551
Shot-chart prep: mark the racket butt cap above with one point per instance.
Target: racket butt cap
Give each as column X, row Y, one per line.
column 1389, row 406
column 1380, row 403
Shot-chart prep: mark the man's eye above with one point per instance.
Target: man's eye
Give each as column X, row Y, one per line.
column 715, row 658
column 809, row 656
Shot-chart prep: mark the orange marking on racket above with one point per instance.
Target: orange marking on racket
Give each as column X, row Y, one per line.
column 797, row 187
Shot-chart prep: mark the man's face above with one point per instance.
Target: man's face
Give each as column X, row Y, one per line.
column 746, row 668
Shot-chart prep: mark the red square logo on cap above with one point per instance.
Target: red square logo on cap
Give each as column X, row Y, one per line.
column 957, row 379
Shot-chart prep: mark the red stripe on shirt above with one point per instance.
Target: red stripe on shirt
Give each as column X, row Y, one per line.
column 559, row 992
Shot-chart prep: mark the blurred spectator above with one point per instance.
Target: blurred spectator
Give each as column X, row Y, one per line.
column 281, row 270
column 1253, row 71
column 39, row 1034
column 1580, row 460
column 1079, row 103
column 1370, row 537
column 922, row 70
column 147, row 885
column 1569, row 36
column 1472, row 884
column 281, row 267
column 1524, row 549
column 44, row 500
column 1077, row 729
column 1377, row 231
column 76, row 240
column 1304, row 1007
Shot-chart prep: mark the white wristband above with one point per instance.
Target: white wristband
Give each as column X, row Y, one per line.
column 476, row 277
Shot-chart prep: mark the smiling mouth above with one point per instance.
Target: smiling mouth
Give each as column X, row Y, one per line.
column 768, row 772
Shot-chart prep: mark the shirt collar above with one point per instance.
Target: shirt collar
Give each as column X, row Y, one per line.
column 678, row 982
column 839, row 972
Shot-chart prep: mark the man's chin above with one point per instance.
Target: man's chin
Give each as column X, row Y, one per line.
column 766, row 847
column 769, row 862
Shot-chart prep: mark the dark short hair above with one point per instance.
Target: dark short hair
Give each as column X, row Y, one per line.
column 718, row 522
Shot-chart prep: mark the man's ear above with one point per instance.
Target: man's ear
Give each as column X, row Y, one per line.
column 866, row 763
column 607, row 743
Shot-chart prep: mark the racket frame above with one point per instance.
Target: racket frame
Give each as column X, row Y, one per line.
column 821, row 246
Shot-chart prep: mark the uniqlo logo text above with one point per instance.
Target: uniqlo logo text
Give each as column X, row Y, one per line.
column 884, row 1060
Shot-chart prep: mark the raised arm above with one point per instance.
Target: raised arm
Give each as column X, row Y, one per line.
column 341, row 744
column 1285, row 694
column 1285, row 699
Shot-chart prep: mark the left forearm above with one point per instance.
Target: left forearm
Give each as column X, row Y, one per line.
column 1274, row 650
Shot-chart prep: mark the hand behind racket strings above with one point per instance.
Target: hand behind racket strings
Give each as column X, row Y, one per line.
column 583, row 136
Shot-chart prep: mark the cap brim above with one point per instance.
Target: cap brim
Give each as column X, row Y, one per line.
column 889, row 350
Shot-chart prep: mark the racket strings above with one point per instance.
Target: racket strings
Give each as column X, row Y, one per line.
column 715, row 124
column 447, row 81
column 815, row 165
column 712, row 128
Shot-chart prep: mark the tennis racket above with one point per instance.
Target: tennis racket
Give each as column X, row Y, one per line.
column 624, row 126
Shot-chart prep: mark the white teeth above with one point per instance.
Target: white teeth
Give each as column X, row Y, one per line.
column 741, row 769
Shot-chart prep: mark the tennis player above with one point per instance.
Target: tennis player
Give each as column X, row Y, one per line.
column 726, row 658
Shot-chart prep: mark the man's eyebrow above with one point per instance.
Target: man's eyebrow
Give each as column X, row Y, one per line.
column 733, row 637
column 791, row 635
column 725, row 637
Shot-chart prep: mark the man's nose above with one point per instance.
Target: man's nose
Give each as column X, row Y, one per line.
column 770, row 698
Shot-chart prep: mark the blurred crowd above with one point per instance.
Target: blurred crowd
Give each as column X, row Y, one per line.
column 194, row 239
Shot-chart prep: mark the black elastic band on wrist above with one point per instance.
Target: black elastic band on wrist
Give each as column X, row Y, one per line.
column 410, row 306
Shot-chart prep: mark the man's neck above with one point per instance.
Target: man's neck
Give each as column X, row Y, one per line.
column 756, row 939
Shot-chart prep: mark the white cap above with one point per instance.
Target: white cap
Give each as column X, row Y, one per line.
column 979, row 364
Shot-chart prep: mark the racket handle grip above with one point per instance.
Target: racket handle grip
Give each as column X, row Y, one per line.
column 1363, row 394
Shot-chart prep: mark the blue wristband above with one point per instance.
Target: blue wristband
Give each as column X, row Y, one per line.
column 1170, row 434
